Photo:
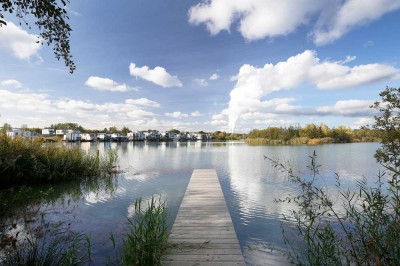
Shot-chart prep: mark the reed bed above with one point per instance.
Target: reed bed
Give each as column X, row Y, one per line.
column 28, row 162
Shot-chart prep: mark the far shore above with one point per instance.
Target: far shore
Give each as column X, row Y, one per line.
column 306, row 141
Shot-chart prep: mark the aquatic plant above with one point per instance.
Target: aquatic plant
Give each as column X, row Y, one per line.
column 27, row 162
column 147, row 239
column 48, row 247
column 351, row 227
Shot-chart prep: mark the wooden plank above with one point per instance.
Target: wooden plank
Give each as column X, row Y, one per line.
column 203, row 233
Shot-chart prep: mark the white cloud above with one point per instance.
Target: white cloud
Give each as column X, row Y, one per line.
column 143, row 102
column 201, row 82
column 350, row 14
column 158, row 75
column 177, row 115
column 218, row 122
column 258, row 19
column 364, row 121
column 106, row 84
column 26, row 102
column 196, row 114
column 214, row 76
column 348, row 108
column 253, row 83
column 22, row 44
column 11, row 83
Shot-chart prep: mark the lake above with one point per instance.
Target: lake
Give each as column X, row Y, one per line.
column 249, row 183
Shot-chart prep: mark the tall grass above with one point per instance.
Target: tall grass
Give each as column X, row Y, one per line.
column 62, row 249
column 33, row 162
column 148, row 235
column 347, row 227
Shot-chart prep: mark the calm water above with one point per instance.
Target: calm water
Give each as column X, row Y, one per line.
column 249, row 182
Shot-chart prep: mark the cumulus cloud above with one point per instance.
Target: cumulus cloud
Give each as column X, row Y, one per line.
column 196, row 114
column 253, row 83
column 348, row 108
column 214, row 76
column 177, row 115
column 158, row 75
column 22, row 44
column 143, row 102
column 29, row 102
column 106, row 84
column 350, row 14
column 201, row 82
column 11, row 83
column 258, row 19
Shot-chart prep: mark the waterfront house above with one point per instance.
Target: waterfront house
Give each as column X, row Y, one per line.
column 48, row 132
column 116, row 137
column 72, row 136
column 140, row 136
column 130, row 136
column 90, row 137
column 173, row 136
column 61, row 132
column 103, row 137
column 22, row 133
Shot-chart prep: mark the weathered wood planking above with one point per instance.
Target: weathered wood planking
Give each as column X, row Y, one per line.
column 203, row 232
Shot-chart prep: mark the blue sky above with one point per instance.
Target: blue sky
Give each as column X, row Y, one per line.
column 205, row 65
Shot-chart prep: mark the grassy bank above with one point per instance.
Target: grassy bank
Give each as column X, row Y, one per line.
column 27, row 162
column 305, row 141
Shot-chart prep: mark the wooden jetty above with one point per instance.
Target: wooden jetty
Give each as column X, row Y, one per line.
column 203, row 233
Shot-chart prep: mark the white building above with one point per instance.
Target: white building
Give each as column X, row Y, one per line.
column 88, row 137
column 61, row 131
column 22, row 133
column 131, row 136
column 103, row 137
column 140, row 136
column 48, row 132
column 72, row 136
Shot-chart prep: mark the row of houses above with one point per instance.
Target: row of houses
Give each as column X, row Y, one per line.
column 21, row 133
column 72, row 136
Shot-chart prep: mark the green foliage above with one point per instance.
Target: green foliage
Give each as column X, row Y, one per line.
column 341, row 228
column 176, row 131
column 148, row 235
column 31, row 162
column 222, row 135
column 125, row 130
column 310, row 134
column 50, row 248
column 387, row 122
column 72, row 126
column 50, row 17
column 349, row 227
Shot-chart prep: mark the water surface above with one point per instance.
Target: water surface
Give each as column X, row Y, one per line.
column 249, row 183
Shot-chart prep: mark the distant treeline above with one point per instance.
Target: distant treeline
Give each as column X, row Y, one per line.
column 311, row 134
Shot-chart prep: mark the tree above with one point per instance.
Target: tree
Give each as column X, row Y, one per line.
column 50, row 17
column 387, row 122
column 176, row 131
column 125, row 130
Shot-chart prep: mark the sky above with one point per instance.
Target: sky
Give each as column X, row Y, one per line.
column 228, row 65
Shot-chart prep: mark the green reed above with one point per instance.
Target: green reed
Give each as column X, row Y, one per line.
column 341, row 227
column 33, row 162
column 147, row 239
